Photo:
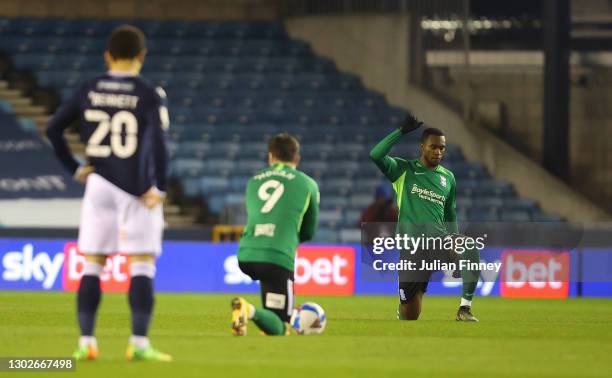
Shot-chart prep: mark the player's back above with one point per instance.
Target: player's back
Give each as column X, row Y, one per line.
column 277, row 199
column 120, row 123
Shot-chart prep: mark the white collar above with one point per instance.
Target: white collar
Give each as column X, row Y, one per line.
column 121, row 74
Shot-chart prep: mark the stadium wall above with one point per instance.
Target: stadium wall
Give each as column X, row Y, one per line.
column 27, row 212
column 375, row 47
column 132, row 9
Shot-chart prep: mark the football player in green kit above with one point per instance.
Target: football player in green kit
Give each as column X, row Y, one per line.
column 282, row 206
column 426, row 200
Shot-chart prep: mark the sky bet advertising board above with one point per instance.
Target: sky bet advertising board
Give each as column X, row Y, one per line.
column 340, row 270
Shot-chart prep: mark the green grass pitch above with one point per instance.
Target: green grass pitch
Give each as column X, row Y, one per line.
column 515, row 338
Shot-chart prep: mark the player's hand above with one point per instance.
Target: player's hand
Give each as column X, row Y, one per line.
column 410, row 123
column 82, row 172
column 153, row 197
column 455, row 240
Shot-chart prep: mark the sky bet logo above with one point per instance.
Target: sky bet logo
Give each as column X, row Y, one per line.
column 115, row 276
column 535, row 274
column 325, row 270
column 30, row 267
column 318, row 271
column 27, row 265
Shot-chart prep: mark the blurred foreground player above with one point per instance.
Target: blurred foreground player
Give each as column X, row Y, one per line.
column 123, row 122
column 282, row 210
column 426, row 201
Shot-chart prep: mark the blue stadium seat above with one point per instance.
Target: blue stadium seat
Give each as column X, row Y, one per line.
column 521, row 204
column 350, row 235
column 465, row 201
column 211, row 184
column 215, row 201
column 368, row 172
column 326, row 235
column 248, row 167
column 494, row 188
column 330, row 218
column 233, row 199
column 483, row 214
column 351, row 218
column 187, row 167
column 540, row 216
column 193, row 149
column 314, row 166
column 349, row 148
column 466, row 187
column 191, row 186
column 366, row 185
column 361, row 200
column 466, row 169
column 219, row 167
column 348, row 166
column 28, row 124
column 239, row 183
column 337, row 202
column 453, row 153
column 223, row 150
column 339, row 183
column 515, row 216
column 233, row 84
column 6, row 106
column 489, row 202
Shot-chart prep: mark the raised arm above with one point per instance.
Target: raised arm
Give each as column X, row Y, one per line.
column 393, row 167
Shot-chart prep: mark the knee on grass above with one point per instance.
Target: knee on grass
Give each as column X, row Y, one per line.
column 409, row 313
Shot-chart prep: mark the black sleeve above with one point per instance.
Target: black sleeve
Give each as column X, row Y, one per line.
column 67, row 114
column 159, row 122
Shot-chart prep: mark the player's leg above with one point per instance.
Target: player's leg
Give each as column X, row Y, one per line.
column 470, row 282
column 88, row 300
column 412, row 285
column 277, row 299
column 141, row 231
column 97, row 238
column 141, row 298
column 243, row 311
column 411, row 298
column 266, row 320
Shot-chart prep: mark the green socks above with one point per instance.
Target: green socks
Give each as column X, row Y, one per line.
column 470, row 277
column 269, row 322
column 400, row 316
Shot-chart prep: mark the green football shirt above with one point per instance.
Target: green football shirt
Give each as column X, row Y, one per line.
column 282, row 207
column 425, row 196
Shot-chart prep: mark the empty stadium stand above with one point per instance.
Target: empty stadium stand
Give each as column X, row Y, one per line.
column 28, row 165
column 231, row 85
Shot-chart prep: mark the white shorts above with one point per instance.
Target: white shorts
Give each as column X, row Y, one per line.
column 113, row 220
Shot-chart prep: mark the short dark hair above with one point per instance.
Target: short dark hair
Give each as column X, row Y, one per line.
column 284, row 147
column 430, row 131
column 126, row 42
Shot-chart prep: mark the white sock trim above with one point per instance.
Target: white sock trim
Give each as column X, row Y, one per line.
column 142, row 269
column 140, row 342
column 465, row 302
column 251, row 311
column 85, row 341
column 92, row 269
